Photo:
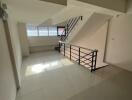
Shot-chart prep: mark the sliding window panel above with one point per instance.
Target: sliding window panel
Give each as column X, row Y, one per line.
column 32, row 31
column 52, row 31
column 43, row 31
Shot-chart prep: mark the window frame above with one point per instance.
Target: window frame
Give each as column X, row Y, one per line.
column 35, row 28
column 58, row 30
column 51, row 31
column 43, row 35
column 48, row 34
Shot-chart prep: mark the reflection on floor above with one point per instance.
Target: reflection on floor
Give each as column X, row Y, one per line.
column 45, row 66
column 50, row 76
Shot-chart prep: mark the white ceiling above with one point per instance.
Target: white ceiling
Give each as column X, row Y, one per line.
column 77, row 8
column 37, row 12
column 32, row 11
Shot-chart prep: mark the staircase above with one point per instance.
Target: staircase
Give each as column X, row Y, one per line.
column 83, row 56
column 71, row 23
column 77, row 29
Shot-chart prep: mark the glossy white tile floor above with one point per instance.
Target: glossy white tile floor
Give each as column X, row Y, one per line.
column 50, row 76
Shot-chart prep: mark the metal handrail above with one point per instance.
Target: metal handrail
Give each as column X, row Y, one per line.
column 71, row 23
column 76, row 46
column 89, row 59
column 86, row 55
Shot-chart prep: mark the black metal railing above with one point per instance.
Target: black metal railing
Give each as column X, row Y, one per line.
column 81, row 55
column 71, row 23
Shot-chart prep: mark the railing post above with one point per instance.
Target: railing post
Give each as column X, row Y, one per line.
column 92, row 61
column 95, row 60
column 65, row 31
column 67, row 28
column 81, row 17
column 70, row 52
column 59, row 46
column 64, row 49
column 79, row 56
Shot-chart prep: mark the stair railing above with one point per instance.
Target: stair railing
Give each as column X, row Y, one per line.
column 83, row 56
column 71, row 23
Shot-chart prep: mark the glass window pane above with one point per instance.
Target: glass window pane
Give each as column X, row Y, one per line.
column 60, row 31
column 52, row 31
column 32, row 30
column 43, row 31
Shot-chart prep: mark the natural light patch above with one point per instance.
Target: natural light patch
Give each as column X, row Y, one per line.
column 35, row 69
column 42, row 67
column 38, row 68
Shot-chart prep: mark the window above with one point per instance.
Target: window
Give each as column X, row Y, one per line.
column 52, row 31
column 32, row 30
column 43, row 31
column 61, row 30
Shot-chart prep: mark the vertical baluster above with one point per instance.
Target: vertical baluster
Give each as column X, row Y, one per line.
column 95, row 60
column 59, row 47
column 81, row 17
column 64, row 31
column 64, row 49
column 92, row 61
column 70, row 52
column 67, row 28
column 79, row 56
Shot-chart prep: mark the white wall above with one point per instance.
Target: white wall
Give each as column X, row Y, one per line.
column 42, row 43
column 35, row 44
column 119, row 46
column 119, row 49
column 95, row 40
column 90, row 23
column 68, row 13
column 16, row 45
column 80, row 24
column 7, row 82
column 23, row 39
